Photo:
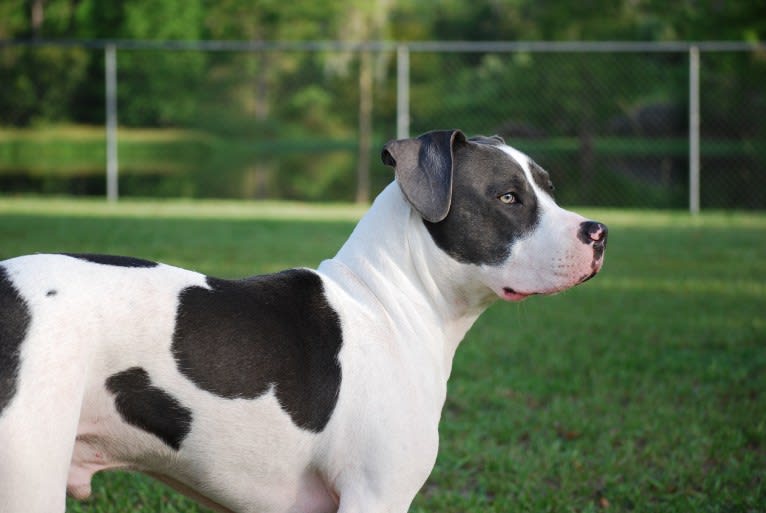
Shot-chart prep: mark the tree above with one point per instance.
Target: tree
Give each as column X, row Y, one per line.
column 38, row 82
column 157, row 88
column 365, row 21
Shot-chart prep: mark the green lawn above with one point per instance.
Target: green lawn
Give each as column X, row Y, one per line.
column 643, row 390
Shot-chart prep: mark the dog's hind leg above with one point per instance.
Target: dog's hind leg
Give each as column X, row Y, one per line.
column 38, row 427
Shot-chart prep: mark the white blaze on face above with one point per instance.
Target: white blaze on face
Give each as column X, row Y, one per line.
column 551, row 257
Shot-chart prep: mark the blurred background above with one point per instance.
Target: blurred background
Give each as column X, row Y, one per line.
column 641, row 391
column 293, row 100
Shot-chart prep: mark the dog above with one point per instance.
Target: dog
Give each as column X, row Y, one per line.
column 304, row 391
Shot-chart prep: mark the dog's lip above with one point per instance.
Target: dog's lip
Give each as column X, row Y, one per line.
column 510, row 294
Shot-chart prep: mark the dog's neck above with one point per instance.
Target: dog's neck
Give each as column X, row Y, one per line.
column 392, row 254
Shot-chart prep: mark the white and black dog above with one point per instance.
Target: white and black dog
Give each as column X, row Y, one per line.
column 303, row 391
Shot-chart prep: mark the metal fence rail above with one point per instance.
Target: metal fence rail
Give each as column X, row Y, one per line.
column 617, row 123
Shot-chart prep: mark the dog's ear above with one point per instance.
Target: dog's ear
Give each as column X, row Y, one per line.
column 423, row 169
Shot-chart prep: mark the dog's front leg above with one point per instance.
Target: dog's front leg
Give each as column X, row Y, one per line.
column 370, row 503
column 387, row 486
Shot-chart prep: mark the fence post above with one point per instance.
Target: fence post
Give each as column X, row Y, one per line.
column 402, row 92
column 110, row 57
column 694, row 130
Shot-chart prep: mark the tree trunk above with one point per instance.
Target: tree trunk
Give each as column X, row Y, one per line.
column 37, row 16
column 262, row 65
column 257, row 178
column 365, row 127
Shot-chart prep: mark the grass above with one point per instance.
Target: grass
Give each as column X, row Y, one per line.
column 643, row 390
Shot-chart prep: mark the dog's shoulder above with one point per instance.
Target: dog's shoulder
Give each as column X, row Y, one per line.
column 242, row 338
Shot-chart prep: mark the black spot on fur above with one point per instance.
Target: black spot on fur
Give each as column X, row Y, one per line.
column 120, row 261
column 14, row 323
column 480, row 229
column 52, row 293
column 150, row 408
column 239, row 339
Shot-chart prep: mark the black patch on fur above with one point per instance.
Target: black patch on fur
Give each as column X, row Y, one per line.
column 240, row 338
column 120, row 261
column 51, row 293
column 150, row 408
column 14, row 323
column 480, row 229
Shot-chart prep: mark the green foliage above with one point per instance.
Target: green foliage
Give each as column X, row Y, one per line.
column 164, row 89
column 49, row 77
column 642, row 390
column 14, row 18
column 172, row 101
column 143, row 99
column 244, row 103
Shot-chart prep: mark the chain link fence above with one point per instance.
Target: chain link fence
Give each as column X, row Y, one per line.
column 611, row 122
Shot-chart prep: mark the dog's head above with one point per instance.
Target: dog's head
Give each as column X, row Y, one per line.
column 489, row 205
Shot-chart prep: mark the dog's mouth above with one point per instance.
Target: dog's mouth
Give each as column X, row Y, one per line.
column 587, row 277
column 512, row 295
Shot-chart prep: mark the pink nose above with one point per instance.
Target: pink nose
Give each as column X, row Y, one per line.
column 591, row 231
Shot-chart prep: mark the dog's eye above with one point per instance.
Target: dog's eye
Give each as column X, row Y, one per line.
column 508, row 198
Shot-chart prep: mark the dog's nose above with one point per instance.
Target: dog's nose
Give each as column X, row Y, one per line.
column 591, row 231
